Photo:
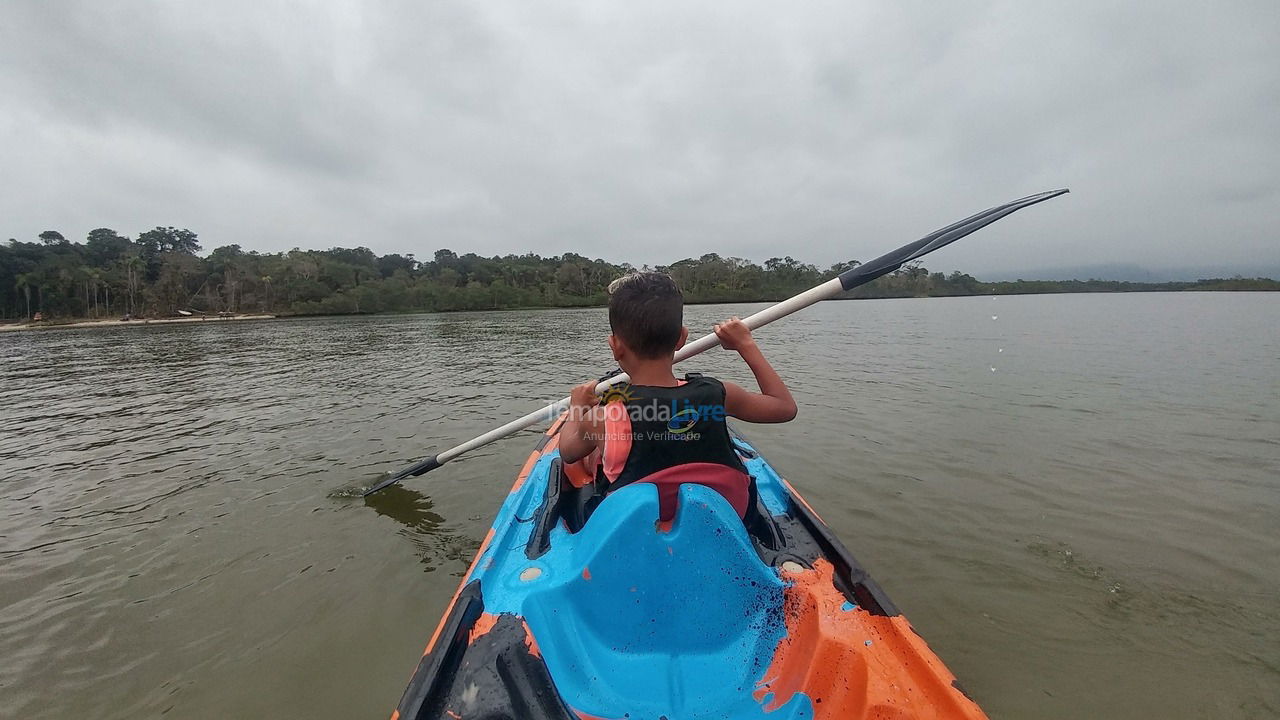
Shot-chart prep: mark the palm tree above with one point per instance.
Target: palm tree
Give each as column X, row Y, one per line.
column 95, row 281
column 266, row 281
column 83, row 273
column 24, row 284
column 132, row 265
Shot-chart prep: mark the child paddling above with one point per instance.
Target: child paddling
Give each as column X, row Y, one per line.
column 660, row 428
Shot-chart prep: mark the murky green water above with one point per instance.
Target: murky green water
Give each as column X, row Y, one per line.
column 1089, row 530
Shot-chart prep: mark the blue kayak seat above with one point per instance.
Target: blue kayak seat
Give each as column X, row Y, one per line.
column 679, row 623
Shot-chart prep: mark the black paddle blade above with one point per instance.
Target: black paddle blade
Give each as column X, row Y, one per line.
column 425, row 466
column 885, row 264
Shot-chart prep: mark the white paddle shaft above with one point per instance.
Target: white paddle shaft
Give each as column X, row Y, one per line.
column 828, row 289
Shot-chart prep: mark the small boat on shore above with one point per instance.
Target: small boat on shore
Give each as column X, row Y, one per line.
column 581, row 606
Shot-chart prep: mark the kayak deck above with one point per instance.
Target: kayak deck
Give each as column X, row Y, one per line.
column 708, row 616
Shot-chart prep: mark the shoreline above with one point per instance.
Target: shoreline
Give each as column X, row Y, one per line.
column 16, row 327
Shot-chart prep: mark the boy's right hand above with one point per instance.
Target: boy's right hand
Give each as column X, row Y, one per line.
column 584, row 395
column 580, row 431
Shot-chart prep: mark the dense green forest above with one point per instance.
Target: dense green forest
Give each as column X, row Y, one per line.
column 160, row 273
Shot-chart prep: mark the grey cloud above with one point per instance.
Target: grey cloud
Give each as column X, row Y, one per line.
column 650, row 132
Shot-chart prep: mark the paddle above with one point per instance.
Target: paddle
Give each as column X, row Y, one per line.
column 846, row 280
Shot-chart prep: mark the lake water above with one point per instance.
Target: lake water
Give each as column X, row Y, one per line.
column 1074, row 498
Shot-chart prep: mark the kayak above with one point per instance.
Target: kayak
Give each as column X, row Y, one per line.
column 584, row 606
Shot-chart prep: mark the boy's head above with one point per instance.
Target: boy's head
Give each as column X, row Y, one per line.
column 646, row 313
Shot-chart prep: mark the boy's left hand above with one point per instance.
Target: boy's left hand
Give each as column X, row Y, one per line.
column 734, row 335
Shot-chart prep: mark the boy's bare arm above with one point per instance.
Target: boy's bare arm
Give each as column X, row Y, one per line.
column 580, row 434
column 773, row 404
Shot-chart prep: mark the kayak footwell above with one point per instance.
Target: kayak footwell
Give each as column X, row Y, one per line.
column 712, row 616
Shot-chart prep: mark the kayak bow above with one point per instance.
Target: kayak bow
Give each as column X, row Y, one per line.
column 709, row 616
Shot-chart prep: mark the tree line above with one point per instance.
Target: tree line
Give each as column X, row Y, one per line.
column 159, row 273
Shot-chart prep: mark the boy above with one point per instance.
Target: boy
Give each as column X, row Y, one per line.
column 661, row 429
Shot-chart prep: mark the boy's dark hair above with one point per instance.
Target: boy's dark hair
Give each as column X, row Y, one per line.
column 646, row 310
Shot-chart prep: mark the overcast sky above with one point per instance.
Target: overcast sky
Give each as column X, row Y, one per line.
column 648, row 132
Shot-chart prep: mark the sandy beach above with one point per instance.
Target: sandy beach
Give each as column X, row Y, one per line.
column 122, row 323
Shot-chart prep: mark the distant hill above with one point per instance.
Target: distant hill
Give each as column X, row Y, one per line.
column 1133, row 273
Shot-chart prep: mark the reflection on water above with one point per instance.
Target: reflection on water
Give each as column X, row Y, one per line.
column 1089, row 531
column 427, row 530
